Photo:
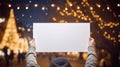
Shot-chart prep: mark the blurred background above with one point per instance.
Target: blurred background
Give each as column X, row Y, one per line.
column 17, row 18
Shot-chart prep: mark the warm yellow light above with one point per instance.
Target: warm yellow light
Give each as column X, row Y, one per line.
column 2, row 20
column 28, row 29
column 26, row 7
column 91, row 8
column 102, row 50
column 54, row 19
column 66, row 8
column 52, row 5
column 18, row 8
column 99, row 6
column 70, row 4
column 68, row 53
column 43, row 8
column 35, row 5
column 108, row 7
column 78, row 7
column 84, row 55
column 19, row 28
column 9, row 5
column 118, row 5
column 62, row 21
column 23, row 29
column 58, row 8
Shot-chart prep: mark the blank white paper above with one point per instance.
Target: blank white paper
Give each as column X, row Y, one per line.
column 61, row 37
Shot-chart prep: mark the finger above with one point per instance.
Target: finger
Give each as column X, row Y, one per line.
column 90, row 39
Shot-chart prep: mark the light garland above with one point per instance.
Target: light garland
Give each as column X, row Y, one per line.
column 79, row 15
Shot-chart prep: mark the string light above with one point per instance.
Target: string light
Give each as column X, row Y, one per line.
column 28, row 29
column 58, row 8
column 2, row 20
column 52, row 5
column 118, row 5
column 43, row 8
column 9, row 5
column 78, row 7
column 71, row 4
column 30, row 16
column 80, row 15
column 66, row 8
column 54, row 19
column 98, row 5
column 91, row 8
column 26, row 7
column 18, row 8
column 108, row 8
column 19, row 28
column 35, row 5
column 22, row 15
column 30, row 1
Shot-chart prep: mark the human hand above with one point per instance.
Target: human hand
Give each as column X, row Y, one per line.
column 32, row 42
column 91, row 42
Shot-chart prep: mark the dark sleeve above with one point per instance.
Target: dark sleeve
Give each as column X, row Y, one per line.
column 31, row 57
column 92, row 57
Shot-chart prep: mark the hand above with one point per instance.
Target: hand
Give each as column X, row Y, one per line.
column 32, row 42
column 91, row 42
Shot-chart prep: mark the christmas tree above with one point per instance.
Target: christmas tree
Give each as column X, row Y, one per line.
column 11, row 37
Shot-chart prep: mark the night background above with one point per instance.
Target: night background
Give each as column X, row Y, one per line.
column 103, row 16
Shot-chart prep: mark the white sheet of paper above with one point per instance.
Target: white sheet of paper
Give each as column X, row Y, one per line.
column 61, row 37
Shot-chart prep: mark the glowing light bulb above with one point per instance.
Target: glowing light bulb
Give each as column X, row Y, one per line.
column 118, row 5
column 78, row 7
column 28, row 29
column 18, row 8
column 2, row 20
column 99, row 6
column 9, row 5
column 52, row 5
column 35, row 5
column 91, row 8
column 70, row 4
column 26, row 7
column 66, row 8
column 108, row 8
column 43, row 8
column 58, row 8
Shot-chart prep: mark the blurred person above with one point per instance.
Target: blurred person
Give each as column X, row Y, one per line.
column 19, row 57
column 11, row 56
column 23, row 56
column 6, row 56
column 61, row 61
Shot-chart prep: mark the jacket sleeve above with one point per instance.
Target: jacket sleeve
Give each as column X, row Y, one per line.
column 92, row 57
column 31, row 57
